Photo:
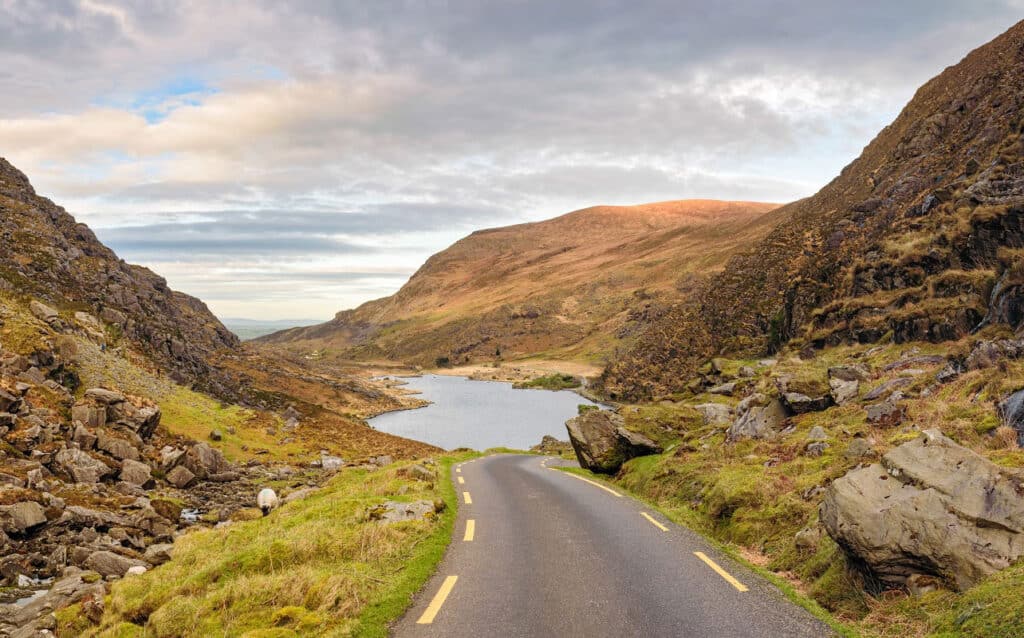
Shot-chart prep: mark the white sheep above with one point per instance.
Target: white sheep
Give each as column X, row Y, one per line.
column 267, row 500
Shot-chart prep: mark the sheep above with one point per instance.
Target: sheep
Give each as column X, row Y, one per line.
column 267, row 500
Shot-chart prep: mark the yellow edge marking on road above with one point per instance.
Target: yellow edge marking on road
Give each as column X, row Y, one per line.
column 654, row 522
column 586, row 480
column 439, row 598
column 458, row 470
column 461, row 480
column 721, row 572
column 470, row 530
column 466, row 497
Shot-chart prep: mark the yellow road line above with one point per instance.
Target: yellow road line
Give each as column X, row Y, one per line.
column 470, row 530
column 466, row 497
column 461, row 480
column 439, row 598
column 458, row 470
column 586, row 480
column 654, row 522
column 721, row 572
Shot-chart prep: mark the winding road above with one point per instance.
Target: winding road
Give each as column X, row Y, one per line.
column 541, row 552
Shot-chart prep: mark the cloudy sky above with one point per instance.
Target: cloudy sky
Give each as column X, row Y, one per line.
column 290, row 159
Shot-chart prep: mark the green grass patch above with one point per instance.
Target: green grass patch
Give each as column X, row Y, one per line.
column 556, row 381
column 315, row 567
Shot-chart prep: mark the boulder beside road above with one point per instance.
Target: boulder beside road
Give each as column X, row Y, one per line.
column 931, row 507
column 602, row 443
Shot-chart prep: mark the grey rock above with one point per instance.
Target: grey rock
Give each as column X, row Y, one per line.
column 421, row 473
column 603, row 444
column 816, row 448
column 21, row 517
column 726, row 389
column 714, row 413
column 854, row 372
column 115, row 446
column 887, row 412
column 817, row 433
column 300, row 494
column 843, row 391
column 216, row 435
column 887, row 388
column 158, row 553
column 331, row 463
column 135, row 472
column 858, row 448
column 110, row 564
column 930, row 507
column 758, row 421
column 104, row 396
column 85, row 439
column 393, row 512
column 180, row 477
column 802, row 404
column 42, row 312
column 1011, row 412
column 203, row 460
column 89, row 415
column 82, row 467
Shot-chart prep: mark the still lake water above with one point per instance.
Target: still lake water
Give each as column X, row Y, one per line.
column 481, row 414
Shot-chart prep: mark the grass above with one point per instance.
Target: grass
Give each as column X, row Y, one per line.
column 556, row 381
column 315, row 567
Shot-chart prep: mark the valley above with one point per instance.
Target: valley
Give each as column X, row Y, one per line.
column 688, row 417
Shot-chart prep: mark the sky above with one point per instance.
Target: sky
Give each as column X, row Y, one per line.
column 290, row 160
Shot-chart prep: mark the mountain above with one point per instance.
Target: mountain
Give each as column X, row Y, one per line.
column 50, row 256
column 572, row 287
column 919, row 238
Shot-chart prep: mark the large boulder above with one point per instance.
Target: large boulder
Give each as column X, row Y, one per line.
column 759, row 418
column 204, row 461
column 80, row 466
column 21, row 517
column 111, row 564
column 603, row 444
column 931, row 507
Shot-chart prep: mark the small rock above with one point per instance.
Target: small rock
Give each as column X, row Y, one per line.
column 421, row 473
column 887, row 413
column 215, row 435
column 158, row 554
column 180, row 477
column 136, row 570
column 858, row 448
column 726, row 389
column 817, row 448
column 104, row 396
column 817, row 433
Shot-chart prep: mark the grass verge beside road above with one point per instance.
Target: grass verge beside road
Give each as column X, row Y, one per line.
column 319, row 566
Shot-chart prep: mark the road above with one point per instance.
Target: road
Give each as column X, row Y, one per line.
column 541, row 552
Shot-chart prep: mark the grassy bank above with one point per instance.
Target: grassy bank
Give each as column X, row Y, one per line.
column 759, row 498
column 319, row 566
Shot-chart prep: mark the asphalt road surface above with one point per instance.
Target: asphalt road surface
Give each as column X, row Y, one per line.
column 540, row 552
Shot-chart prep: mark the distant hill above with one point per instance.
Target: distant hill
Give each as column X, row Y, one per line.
column 573, row 287
column 247, row 329
column 920, row 238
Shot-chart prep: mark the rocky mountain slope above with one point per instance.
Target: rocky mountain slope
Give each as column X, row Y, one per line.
column 572, row 287
column 49, row 256
column 108, row 448
column 917, row 239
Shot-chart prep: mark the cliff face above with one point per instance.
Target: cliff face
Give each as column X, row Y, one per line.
column 571, row 287
column 48, row 255
column 917, row 239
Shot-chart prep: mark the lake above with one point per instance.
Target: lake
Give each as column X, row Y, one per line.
column 481, row 414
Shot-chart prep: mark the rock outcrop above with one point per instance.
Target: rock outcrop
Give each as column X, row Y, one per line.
column 930, row 507
column 603, row 444
column 49, row 255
